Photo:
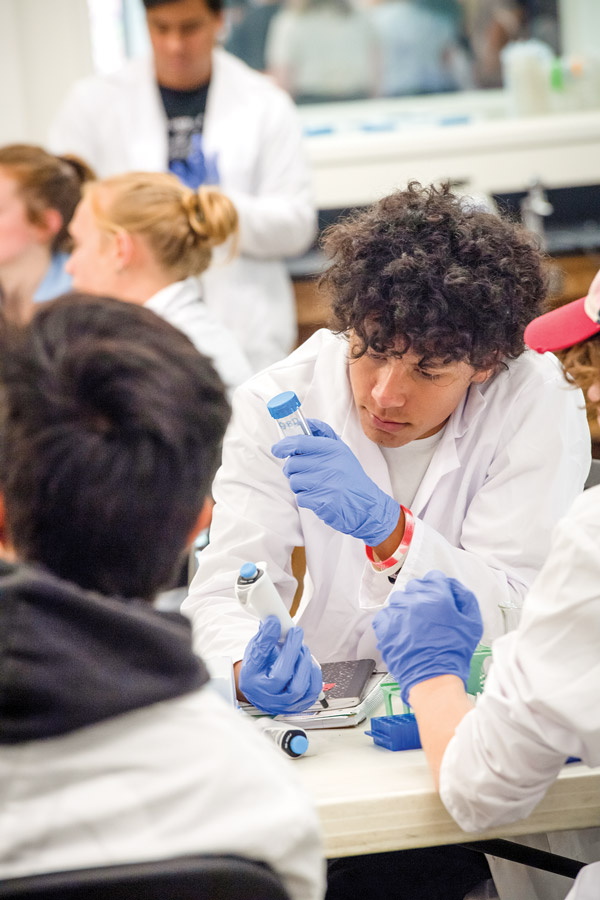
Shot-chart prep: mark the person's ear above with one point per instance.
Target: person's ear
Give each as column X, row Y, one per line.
column 48, row 225
column 124, row 249
column 203, row 520
column 482, row 375
column 53, row 221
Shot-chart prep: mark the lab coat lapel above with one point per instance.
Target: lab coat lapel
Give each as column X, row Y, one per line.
column 147, row 125
column 220, row 103
column 446, row 457
column 215, row 100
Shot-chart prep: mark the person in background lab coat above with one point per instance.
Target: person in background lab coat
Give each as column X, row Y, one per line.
column 494, row 763
column 440, row 443
column 38, row 196
column 113, row 746
column 144, row 237
column 211, row 119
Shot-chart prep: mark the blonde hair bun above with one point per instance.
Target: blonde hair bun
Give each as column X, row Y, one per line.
column 211, row 215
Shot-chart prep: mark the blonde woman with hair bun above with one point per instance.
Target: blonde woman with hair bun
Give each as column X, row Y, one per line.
column 145, row 238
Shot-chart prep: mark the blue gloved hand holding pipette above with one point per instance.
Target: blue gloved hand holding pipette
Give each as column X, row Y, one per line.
column 326, row 477
column 279, row 677
column 430, row 628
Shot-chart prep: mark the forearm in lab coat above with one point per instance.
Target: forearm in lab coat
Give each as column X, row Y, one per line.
column 255, row 519
column 275, row 225
column 439, row 705
column 277, row 214
column 499, row 764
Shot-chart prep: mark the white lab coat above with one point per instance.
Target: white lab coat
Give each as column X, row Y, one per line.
column 541, row 704
column 586, row 884
column 117, row 123
column 178, row 778
column 181, row 304
column 512, row 458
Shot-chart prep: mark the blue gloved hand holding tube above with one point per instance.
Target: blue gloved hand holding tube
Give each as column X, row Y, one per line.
column 279, row 677
column 429, row 629
column 198, row 168
column 327, row 478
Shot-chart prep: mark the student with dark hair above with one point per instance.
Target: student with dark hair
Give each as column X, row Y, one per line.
column 445, row 441
column 113, row 748
column 438, row 442
column 195, row 109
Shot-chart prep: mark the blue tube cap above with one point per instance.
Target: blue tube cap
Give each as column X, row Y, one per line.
column 299, row 744
column 248, row 570
column 283, row 404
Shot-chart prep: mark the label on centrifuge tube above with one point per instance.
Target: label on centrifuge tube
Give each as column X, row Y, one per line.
column 285, row 409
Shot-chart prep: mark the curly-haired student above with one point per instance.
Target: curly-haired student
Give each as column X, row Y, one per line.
column 438, row 442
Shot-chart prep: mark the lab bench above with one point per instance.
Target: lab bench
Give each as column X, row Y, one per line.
column 372, row 800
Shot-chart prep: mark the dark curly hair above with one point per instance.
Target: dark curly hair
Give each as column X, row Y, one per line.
column 426, row 271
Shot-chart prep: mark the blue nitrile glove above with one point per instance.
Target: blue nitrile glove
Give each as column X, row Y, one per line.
column 431, row 628
column 279, row 678
column 326, row 477
column 198, row 168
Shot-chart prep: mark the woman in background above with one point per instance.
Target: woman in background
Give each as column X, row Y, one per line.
column 144, row 237
column 323, row 50
column 38, row 195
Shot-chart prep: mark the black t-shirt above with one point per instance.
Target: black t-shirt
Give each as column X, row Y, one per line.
column 185, row 112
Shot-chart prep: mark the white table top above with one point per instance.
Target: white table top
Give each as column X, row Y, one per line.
column 372, row 800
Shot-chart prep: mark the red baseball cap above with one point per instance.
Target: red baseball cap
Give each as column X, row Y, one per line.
column 567, row 325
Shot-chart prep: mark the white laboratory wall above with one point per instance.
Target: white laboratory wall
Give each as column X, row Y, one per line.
column 12, row 98
column 580, row 26
column 44, row 48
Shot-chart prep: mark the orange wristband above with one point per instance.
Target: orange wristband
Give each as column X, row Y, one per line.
column 401, row 550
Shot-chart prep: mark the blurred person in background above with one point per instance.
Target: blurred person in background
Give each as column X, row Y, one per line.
column 323, row 50
column 420, row 46
column 38, row 195
column 195, row 109
column 248, row 37
column 489, row 26
column 144, row 237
